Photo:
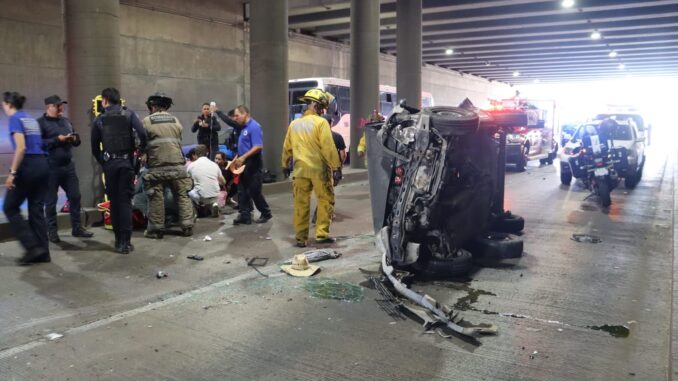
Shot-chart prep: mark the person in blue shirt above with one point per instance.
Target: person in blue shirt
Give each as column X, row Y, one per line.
column 250, row 146
column 27, row 175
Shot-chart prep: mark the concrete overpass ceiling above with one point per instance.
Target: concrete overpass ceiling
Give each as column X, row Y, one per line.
column 522, row 41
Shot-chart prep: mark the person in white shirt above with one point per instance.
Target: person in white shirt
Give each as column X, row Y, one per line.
column 207, row 179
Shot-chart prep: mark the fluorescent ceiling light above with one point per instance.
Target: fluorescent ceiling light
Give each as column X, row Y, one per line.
column 595, row 35
column 536, row 80
column 449, row 52
column 621, row 66
column 567, row 3
column 612, row 54
column 516, row 74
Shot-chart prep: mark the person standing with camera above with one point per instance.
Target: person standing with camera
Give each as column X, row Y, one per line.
column 58, row 139
column 207, row 126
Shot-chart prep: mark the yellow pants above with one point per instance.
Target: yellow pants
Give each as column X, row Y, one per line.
column 324, row 192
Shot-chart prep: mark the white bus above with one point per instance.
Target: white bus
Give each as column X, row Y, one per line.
column 341, row 89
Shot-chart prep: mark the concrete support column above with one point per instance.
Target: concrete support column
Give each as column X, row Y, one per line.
column 92, row 33
column 408, row 64
column 268, row 76
column 364, row 70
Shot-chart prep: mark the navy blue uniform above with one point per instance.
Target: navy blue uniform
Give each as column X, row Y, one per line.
column 119, row 171
column 29, row 185
column 61, row 170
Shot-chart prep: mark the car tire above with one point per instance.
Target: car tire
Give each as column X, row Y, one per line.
column 453, row 120
column 457, row 266
column 509, row 224
column 565, row 178
column 495, row 245
column 631, row 181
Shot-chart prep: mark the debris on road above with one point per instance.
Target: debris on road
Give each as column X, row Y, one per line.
column 54, row 336
column 195, row 257
column 255, row 262
column 317, row 255
column 333, row 289
column 300, row 267
column 161, row 274
column 586, row 238
column 207, row 238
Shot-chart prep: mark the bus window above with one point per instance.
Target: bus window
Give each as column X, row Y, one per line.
column 343, row 99
column 298, row 89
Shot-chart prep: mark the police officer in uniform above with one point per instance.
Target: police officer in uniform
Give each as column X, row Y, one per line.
column 113, row 145
column 165, row 163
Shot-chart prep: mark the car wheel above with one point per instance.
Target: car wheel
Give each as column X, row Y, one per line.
column 496, row 245
column 508, row 224
column 631, row 181
column 457, row 266
column 565, row 178
column 453, row 120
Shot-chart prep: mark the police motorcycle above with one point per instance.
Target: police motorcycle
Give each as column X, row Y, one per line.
column 594, row 164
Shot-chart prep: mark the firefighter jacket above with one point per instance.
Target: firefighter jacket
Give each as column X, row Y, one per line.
column 309, row 143
column 163, row 150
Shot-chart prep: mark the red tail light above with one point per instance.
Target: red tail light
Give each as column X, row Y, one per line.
column 399, row 171
column 398, row 180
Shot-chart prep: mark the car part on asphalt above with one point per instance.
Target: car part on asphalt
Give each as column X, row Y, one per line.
column 496, row 245
column 317, row 255
column 587, row 238
column 439, row 314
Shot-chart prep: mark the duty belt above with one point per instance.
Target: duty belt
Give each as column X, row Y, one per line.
column 111, row 156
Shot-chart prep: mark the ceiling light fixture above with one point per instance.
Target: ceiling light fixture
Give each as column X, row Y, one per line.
column 536, row 80
column 449, row 52
column 516, row 74
column 595, row 35
column 612, row 54
column 621, row 66
column 567, row 3
column 487, row 63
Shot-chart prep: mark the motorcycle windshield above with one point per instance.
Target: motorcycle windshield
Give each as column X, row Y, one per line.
column 379, row 170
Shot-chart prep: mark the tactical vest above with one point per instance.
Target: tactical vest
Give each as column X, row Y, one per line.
column 164, row 140
column 117, row 136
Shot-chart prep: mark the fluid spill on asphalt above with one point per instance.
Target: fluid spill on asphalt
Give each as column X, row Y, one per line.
column 465, row 304
column 333, row 289
column 613, row 330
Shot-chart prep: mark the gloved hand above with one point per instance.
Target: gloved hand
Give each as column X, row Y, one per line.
column 336, row 177
column 286, row 172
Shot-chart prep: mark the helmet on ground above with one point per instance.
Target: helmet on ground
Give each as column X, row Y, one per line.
column 319, row 96
column 160, row 100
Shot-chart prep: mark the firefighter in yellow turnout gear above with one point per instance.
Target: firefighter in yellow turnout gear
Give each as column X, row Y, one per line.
column 165, row 163
column 310, row 146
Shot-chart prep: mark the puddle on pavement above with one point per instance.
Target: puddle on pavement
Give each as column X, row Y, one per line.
column 472, row 294
column 333, row 289
column 613, row 330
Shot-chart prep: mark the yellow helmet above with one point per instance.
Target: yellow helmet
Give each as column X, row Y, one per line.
column 319, row 96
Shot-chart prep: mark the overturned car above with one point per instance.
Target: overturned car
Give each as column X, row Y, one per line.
column 436, row 179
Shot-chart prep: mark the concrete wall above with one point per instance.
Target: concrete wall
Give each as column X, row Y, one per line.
column 193, row 51
column 313, row 57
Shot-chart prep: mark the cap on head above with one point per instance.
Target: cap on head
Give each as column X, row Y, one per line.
column 54, row 100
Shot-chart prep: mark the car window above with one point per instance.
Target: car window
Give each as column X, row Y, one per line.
column 622, row 132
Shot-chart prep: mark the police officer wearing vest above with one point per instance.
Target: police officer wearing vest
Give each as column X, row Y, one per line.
column 113, row 145
column 165, row 162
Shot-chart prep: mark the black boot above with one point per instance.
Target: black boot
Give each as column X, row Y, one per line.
column 117, row 240
column 124, row 246
column 37, row 254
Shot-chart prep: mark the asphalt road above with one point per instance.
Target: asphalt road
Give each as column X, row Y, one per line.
column 220, row 320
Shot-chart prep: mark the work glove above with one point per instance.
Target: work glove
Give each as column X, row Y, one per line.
column 287, row 172
column 336, row 177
